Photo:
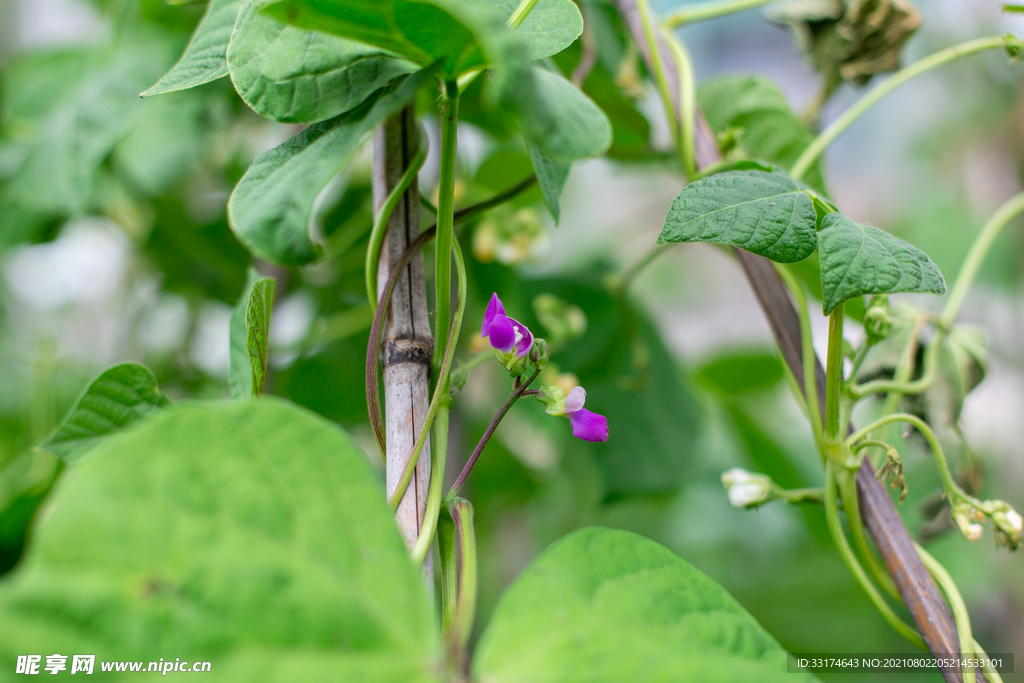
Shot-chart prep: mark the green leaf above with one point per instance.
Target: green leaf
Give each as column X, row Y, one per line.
column 462, row 36
column 550, row 27
column 293, row 75
column 551, row 177
column 257, row 330
column 241, row 365
column 562, row 121
column 116, row 399
column 249, row 534
column 861, row 259
column 739, row 373
column 769, row 214
column 271, row 207
column 603, row 605
column 756, row 109
column 205, row 57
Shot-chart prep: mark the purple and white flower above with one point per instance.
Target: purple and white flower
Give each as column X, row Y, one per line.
column 586, row 425
column 509, row 337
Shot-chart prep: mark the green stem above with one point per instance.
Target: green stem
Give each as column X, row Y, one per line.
column 903, row 387
column 380, row 225
column 834, row 375
column 848, row 492
column 952, row 489
column 810, row 360
column 835, row 528
column 439, row 443
column 447, row 551
column 445, row 231
column 956, row 603
column 807, row 495
column 702, row 11
column 687, row 115
column 827, row 136
column 460, row 623
column 658, row 67
column 520, row 14
column 626, row 281
column 976, row 256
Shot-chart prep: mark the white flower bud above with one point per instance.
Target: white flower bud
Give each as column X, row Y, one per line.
column 746, row 489
column 964, row 516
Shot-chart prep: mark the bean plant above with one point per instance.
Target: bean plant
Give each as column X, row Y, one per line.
column 252, row 533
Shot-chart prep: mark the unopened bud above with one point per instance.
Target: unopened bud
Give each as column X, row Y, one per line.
column 1008, row 526
column 539, row 354
column 747, row 489
column 553, row 398
column 966, row 519
column 562, row 320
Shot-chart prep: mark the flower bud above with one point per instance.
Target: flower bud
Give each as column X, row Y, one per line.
column 876, row 320
column 967, row 518
column 539, row 354
column 747, row 489
column 562, row 320
column 1008, row 526
column 553, row 398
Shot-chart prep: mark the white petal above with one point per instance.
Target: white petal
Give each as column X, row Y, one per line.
column 575, row 400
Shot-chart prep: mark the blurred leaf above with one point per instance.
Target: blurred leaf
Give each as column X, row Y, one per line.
column 164, row 145
column 343, row 399
column 248, row 337
column 119, row 397
column 768, row 128
column 603, row 605
column 204, row 58
column 252, row 534
column 861, row 259
column 551, row 177
column 462, row 36
column 270, row 209
column 562, row 121
column 769, row 214
column 70, row 141
column 25, row 481
column 740, row 373
column 294, row 75
column 963, row 362
column 550, row 27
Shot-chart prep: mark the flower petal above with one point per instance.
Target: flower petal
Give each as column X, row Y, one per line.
column 502, row 334
column 575, row 399
column 588, row 426
column 524, row 338
column 494, row 310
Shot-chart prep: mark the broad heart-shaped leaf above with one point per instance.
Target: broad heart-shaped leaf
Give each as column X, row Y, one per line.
column 550, row 27
column 252, row 535
column 249, row 337
column 270, row 209
column 861, row 259
column 562, row 121
column 460, row 35
column 116, row 399
column 755, row 106
column 765, row 213
column 294, row 75
column 205, row 57
column 611, row 606
column 551, row 177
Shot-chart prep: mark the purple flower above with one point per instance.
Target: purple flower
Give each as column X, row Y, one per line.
column 506, row 335
column 585, row 424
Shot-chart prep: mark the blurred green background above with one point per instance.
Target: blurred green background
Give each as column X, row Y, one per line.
column 114, row 246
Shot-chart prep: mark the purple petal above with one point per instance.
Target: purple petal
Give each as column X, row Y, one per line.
column 574, row 401
column 502, row 334
column 588, row 426
column 526, row 340
column 494, row 310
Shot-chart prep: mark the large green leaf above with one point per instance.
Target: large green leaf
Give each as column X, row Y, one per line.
column 562, row 121
column 205, row 57
column 861, row 259
column 603, row 605
column 249, row 534
column 765, row 213
column 758, row 112
column 298, row 76
column 116, row 399
column 461, row 36
column 550, row 27
column 271, row 206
